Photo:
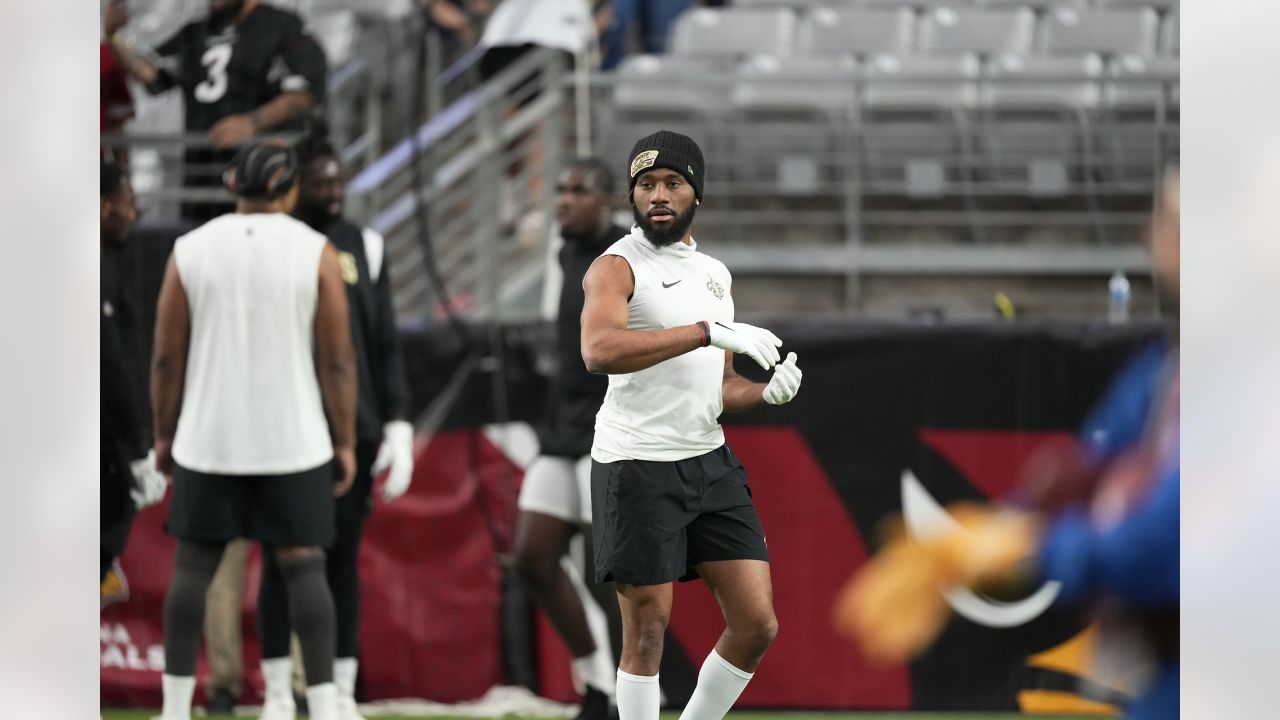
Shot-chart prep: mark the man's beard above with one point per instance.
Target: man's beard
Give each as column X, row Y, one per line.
column 315, row 214
column 670, row 232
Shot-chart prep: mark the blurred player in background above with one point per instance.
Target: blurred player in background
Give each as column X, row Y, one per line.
column 669, row 499
column 245, row 69
column 1105, row 526
column 129, row 480
column 253, row 387
column 555, row 498
column 384, row 439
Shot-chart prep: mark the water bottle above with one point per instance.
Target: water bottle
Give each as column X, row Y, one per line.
column 1118, row 299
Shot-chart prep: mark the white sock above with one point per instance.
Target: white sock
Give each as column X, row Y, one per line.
column 719, row 685
column 344, row 675
column 322, row 702
column 277, row 673
column 639, row 697
column 597, row 670
column 178, row 690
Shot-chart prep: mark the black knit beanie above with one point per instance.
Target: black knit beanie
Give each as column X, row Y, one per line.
column 671, row 150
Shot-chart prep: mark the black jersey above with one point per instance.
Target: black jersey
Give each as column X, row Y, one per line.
column 237, row 68
column 577, row 394
column 383, row 394
column 123, row 421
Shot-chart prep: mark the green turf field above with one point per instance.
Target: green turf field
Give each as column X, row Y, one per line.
column 147, row 715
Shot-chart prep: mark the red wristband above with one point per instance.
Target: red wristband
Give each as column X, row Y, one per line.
column 706, row 332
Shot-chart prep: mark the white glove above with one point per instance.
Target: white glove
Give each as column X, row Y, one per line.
column 785, row 382
column 396, row 453
column 149, row 484
column 756, row 342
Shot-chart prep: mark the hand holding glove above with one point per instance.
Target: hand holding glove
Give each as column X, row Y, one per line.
column 785, row 382
column 756, row 342
column 395, row 453
column 149, row 483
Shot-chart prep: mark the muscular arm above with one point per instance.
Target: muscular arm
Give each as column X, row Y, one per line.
column 169, row 358
column 335, row 355
column 608, row 347
column 740, row 394
column 283, row 109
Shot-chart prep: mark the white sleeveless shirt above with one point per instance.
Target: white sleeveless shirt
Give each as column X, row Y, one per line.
column 251, row 403
column 669, row 411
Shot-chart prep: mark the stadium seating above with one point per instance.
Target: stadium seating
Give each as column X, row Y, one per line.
column 857, row 31
column 1020, row 82
column 921, row 82
column 1141, row 83
column 733, row 33
column 1111, row 32
column 669, row 83
column 948, row 30
column 1169, row 43
column 765, row 82
column 967, row 114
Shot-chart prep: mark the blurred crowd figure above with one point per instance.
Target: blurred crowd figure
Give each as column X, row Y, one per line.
column 245, row 68
column 621, row 26
column 1100, row 518
column 384, row 437
column 114, row 97
column 555, row 496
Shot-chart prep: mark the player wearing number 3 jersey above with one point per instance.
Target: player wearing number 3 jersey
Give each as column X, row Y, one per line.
column 670, row 500
column 245, row 69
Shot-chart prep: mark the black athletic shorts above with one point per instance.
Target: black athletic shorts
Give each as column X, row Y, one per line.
column 294, row 509
column 653, row 522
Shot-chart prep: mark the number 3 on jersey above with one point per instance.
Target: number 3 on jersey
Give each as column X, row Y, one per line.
column 214, row 86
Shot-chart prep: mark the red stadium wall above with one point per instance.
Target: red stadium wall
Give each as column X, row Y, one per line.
column 958, row 408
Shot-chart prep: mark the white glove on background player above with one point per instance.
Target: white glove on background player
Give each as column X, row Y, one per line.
column 755, row 342
column 785, row 382
column 396, row 453
column 149, row 483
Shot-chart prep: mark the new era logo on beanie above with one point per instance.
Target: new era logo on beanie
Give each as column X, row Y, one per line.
column 670, row 150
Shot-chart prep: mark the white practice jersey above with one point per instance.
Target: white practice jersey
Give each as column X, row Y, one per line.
column 669, row 411
column 251, row 403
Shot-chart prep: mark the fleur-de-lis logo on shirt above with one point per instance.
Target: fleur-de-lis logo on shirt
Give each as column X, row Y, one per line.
column 715, row 288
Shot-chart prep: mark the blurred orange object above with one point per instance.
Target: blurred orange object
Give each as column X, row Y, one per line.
column 894, row 605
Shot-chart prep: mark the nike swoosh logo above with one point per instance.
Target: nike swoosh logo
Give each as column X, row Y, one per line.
column 925, row 517
column 667, row 285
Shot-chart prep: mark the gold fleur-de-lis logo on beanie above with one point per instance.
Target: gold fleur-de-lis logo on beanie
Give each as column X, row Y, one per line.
column 643, row 160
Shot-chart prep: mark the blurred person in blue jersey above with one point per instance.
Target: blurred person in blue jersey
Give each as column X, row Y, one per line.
column 129, row 480
column 1101, row 519
column 555, row 498
column 384, row 439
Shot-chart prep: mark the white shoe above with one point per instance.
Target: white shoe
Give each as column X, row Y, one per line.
column 278, row 709
column 347, row 708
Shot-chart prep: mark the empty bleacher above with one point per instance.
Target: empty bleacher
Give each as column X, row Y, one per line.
column 864, row 147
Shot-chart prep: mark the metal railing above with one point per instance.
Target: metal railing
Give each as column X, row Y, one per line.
column 164, row 179
column 463, row 202
column 861, row 187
